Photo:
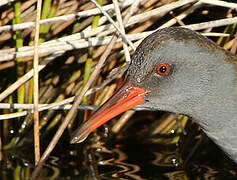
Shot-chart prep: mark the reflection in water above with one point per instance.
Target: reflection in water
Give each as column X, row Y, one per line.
column 127, row 170
column 130, row 170
column 130, row 157
column 131, row 160
column 113, row 165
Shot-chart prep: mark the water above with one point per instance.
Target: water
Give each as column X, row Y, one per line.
column 129, row 155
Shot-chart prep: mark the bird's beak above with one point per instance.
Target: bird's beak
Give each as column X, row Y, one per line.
column 124, row 99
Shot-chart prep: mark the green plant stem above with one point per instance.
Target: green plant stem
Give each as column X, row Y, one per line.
column 97, row 18
column 47, row 12
column 19, row 43
column 87, row 74
column 89, row 61
column 229, row 30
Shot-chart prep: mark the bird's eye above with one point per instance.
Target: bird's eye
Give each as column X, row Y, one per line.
column 163, row 69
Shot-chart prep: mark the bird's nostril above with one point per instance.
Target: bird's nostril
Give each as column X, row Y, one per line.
column 138, row 80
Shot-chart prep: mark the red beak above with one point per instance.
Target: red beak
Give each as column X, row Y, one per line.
column 124, row 99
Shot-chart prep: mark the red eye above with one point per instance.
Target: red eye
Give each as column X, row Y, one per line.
column 163, row 69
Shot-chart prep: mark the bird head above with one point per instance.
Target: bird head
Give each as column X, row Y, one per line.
column 173, row 69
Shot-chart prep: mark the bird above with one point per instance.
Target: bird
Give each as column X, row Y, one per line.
column 178, row 70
